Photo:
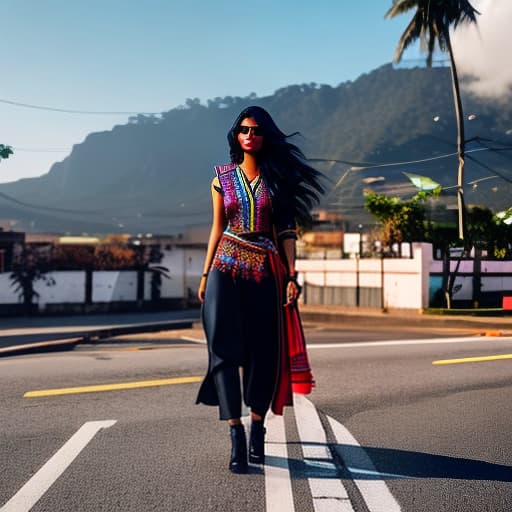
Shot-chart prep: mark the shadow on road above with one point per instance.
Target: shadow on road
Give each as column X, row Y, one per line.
column 370, row 463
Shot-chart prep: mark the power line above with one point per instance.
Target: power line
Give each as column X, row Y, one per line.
column 347, row 162
column 40, row 207
column 485, row 166
column 47, row 150
column 171, row 214
column 496, row 150
column 357, row 166
column 70, row 111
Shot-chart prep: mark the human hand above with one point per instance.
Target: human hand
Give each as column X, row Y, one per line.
column 292, row 293
column 201, row 290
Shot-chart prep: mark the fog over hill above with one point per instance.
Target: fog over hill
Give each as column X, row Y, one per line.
column 152, row 174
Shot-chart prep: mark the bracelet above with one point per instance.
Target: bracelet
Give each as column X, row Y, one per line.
column 292, row 277
column 205, row 274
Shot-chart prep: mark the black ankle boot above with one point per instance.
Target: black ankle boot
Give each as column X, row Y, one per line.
column 238, row 462
column 257, row 443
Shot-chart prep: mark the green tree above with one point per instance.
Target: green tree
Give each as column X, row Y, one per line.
column 402, row 220
column 31, row 265
column 488, row 231
column 503, row 238
column 5, row 151
column 431, row 23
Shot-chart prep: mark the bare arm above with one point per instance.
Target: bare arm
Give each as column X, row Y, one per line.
column 288, row 246
column 218, row 226
column 288, row 250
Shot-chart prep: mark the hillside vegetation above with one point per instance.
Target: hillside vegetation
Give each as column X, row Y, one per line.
column 152, row 174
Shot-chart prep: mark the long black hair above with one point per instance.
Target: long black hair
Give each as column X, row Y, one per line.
column 294, row 185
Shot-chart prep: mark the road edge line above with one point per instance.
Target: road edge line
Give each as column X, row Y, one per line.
column 45, row 477
column 375, row 492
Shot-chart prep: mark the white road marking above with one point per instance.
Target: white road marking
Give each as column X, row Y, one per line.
column 355, row 344
column 328, row 493
column 327, row 487
column 381, row 474
column 322, row 465
column 430, row 341
column 35, row 488
column 375, row 492
column 278, row 486
column 311, row 432
column 194, row 340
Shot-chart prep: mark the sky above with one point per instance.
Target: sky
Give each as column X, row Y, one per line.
column 131, row 56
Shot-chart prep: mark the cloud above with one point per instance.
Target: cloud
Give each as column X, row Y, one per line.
column 483, row 52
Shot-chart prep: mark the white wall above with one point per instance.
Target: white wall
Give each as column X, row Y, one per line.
column 185, row 268
column 194, row 262
column 497, row 266
column 464, row 284
column 174, row 260
column 185, row 265
column 328, row 272
column 147, row 285
column 69, row 287
column 7, row 293
column 111, row 286
column 406, row 281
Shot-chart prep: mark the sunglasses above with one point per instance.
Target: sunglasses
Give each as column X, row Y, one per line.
column 256, row 130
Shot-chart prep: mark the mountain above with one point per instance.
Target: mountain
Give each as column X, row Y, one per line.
column 152, row 174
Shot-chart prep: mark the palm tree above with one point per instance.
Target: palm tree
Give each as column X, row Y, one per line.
column 5, row 151
column 431, row 23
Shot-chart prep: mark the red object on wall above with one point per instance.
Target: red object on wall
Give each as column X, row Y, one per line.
column 507, row 303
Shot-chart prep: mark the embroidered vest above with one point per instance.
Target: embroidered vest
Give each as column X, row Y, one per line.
column 243, row 248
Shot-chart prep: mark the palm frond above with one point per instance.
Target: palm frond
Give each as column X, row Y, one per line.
column 409, row 36
column 400, row 7
column 161, row 270
column 431, row 45
column 431, row 22
column 462, row 12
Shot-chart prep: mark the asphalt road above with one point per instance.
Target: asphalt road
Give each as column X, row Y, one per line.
column 384, row 430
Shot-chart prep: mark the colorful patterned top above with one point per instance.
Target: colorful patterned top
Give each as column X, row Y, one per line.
column 243, row 248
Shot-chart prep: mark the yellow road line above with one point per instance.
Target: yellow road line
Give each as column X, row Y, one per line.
column 111, row 387
column 479, row 359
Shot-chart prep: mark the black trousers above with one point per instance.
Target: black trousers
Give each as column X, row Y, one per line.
column 241, row 325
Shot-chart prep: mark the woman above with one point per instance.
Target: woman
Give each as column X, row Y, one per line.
column 257, row 200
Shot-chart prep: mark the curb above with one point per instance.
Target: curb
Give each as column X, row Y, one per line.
column 91, row 336
column 40, row 347
column 488, row 326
